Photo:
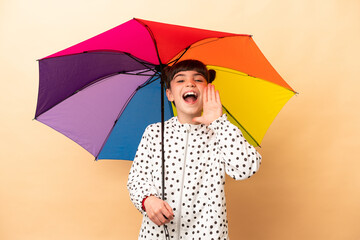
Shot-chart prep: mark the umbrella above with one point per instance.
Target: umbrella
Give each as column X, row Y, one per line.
column 103, row 92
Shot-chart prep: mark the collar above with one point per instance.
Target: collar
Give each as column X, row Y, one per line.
column 193, row 128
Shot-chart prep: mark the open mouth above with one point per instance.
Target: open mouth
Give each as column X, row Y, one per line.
column 190, row 97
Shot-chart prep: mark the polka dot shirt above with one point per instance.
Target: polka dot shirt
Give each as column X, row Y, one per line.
column 196, row 160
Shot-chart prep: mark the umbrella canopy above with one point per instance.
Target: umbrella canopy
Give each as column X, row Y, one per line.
column 103, row 92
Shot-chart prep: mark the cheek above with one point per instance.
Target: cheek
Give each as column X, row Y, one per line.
column 202, row 90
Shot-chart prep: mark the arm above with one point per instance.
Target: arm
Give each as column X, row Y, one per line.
column 140, row 183
column 142, row 189
column 240, row 158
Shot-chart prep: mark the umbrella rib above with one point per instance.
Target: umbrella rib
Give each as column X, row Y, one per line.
column 134, row 58
column 258, row 78
column 182, row 54
column 120, row 113
column 227, row 111
column 146, row 70
column 143, row 63
column 152, row 37
column 136, row 74
column 117, row 118
column 210, row 40
column 110, row 75
column 192, row 46
column 151, row 80
column 216, row 39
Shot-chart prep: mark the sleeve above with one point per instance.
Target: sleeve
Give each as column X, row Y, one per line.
column 140, row 183
column 240, row 158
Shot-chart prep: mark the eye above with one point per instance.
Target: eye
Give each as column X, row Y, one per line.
column 180, row 81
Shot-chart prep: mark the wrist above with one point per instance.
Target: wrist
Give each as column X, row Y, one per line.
column 143, row 203
column 218, row 123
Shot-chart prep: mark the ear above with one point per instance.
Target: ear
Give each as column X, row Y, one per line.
column 169, row 95
column 212, row 75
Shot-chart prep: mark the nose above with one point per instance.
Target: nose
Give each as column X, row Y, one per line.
column 190, row 83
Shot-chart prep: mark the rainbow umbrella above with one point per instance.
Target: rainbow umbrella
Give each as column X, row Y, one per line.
column 103, row 92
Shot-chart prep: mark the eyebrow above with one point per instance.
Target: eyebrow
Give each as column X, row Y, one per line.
column 182, row 75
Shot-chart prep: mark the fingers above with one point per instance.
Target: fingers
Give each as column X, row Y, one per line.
column 217, row 97
column 168, row 212
column 212, row 91
column 159, row 212
column 155, row 219
column 205, row 94
column 210, row 94
column 209, row 91
column 160, row 219
column 169, row 209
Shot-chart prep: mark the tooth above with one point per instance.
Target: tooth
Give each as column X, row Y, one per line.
column 190, row 93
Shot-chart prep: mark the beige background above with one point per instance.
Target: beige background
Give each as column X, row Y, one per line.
column 309, row 183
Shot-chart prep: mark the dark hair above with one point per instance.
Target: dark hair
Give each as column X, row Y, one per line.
column 187, row 65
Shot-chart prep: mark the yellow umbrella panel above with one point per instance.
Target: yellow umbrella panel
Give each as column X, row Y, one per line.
column 251, row 103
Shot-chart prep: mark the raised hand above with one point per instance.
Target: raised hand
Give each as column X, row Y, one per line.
column 158, row 210
column 212, row 108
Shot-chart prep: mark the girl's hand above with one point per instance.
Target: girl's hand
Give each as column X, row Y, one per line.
column 158, row 210
column 212, row 108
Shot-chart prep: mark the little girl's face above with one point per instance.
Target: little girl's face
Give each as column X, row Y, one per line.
column 186, row 90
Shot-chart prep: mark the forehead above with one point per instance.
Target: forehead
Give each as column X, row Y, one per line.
column 189, row 73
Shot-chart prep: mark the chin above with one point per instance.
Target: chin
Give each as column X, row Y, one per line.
column 196, row 113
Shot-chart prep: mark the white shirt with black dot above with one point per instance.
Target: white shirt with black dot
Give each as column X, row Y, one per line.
column 196, row 160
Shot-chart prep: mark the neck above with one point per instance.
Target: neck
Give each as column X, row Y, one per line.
column 185, row 118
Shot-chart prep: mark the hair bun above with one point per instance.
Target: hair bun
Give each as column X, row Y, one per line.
column 212, row 75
